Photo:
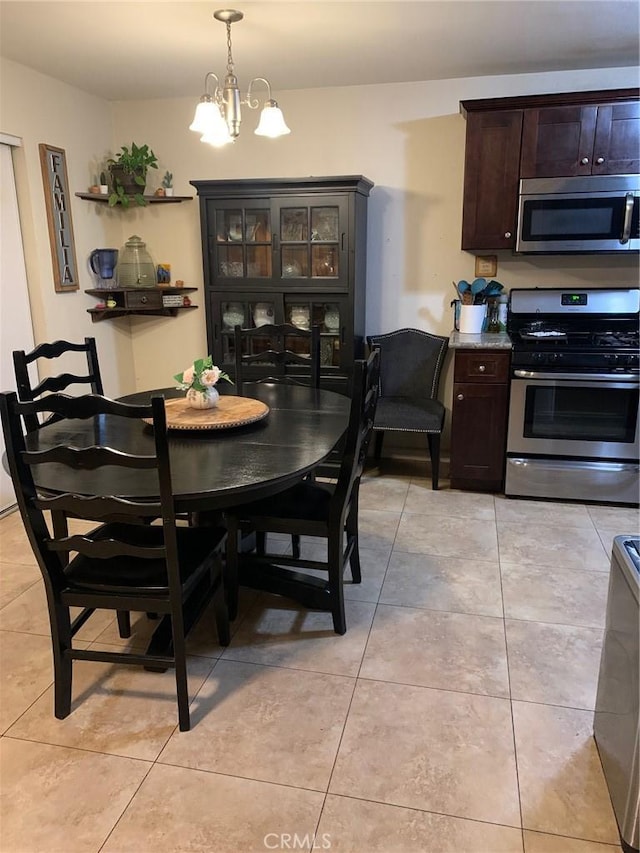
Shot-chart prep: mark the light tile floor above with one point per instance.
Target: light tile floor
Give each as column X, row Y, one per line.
column 454, row 715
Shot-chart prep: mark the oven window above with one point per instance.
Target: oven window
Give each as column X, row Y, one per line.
column 581, row 414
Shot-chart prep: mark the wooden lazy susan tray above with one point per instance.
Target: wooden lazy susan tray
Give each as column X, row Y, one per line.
column 230, row 412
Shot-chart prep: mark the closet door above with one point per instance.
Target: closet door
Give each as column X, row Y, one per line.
column 16, row 331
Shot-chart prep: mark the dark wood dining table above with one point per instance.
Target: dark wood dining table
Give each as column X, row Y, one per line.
column 214, row 468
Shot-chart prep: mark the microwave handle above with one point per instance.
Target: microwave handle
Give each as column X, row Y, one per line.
column 628, row 213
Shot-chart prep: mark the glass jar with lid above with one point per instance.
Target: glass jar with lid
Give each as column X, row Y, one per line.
column 135, row 265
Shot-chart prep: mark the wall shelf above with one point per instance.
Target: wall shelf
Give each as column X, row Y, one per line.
column 143, row 301
column 150, row 199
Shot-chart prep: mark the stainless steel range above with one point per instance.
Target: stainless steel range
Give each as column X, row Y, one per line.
column 573, row 410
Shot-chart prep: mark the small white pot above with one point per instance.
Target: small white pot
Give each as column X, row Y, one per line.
column 202, row 399
column 168, row 191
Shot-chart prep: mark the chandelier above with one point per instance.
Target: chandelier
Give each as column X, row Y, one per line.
column 218, row 114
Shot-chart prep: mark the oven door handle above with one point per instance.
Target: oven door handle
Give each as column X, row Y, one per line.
column 628, row 213
column 579, row 377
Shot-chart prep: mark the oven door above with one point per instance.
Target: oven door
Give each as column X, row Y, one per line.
column 579, row 222
column 568, row 415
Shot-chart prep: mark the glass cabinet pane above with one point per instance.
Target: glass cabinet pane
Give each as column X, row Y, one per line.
column 324, row 261
column 294, row 224
column 257, row 226
column 306, row 313
column 261, row 313
column 243, row 242
column 233, row 314
column 298, row 314
column 230, row 262
column 229, row 226
column 324, row 223
column 258, row 261
column 295, row 262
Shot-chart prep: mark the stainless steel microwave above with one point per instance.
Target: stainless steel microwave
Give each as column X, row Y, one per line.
column 599, row 213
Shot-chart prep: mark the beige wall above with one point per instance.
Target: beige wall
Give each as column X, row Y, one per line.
column 40, row 109
column 407, row 138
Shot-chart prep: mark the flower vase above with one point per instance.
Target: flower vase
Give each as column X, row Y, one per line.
column 202, row 399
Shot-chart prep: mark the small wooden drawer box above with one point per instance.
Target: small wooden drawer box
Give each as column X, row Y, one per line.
column 142, row 299
column 481, row 366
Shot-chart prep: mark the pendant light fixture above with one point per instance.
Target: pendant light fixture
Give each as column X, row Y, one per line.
column 218, row 114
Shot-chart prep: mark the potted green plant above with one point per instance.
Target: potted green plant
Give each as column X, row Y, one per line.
column 167, row 183
column 129, row 174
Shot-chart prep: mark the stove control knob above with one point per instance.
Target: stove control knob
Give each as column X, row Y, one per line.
column 553, row 356
column 613, row 357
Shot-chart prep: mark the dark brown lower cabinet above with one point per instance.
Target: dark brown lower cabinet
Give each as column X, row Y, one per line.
column 479, row 419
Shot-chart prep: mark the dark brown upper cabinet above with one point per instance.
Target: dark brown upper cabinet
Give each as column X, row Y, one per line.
column 566, row 141
column 538, row 136
column 491, row 175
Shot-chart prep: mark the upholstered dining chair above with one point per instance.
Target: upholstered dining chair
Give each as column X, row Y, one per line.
column 123, row 563
column 410, row 366
column 60, row 382
column 313, row 508
column 272, row 346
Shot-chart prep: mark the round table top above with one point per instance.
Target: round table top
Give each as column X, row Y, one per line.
column 210, row 469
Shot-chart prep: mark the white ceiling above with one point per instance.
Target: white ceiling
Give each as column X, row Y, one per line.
column 151, row 49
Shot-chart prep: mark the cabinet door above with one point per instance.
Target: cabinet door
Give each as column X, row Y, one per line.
column 310, row 241
column 240, row 243
column 558, row 141
column 617, row 145
column 228, row 310
column 492, row 160
column 478, row 434
column 334, row 319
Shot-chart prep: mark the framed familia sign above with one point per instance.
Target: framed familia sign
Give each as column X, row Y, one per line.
column 57, row 199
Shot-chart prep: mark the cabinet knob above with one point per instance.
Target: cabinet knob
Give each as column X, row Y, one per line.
column 584, row 161
column 143, row 300
column 600, row 161
column 460, row 397
column 481, row 368
column 507, row 234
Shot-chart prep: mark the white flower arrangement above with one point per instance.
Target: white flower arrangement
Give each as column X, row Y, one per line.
column 201, row 375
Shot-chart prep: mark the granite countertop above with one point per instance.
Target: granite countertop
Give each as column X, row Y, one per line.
column 483, row 340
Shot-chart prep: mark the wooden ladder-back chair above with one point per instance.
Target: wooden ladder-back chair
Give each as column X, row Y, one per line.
column 411, row 363
column 313, row 508
column 54, row 384
column 288, row 365
column 123, row 563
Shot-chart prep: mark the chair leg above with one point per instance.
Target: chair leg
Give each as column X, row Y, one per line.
column 124, row 623
column 336, row 591
column 231, row 567
column 352, row 533
column 222, row 615
column 261, row 543
column 295, row 545
column 180, row 660
column 378, row 446
column 434, row 451
column 62, row 664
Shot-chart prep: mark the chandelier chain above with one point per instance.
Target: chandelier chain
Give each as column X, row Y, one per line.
column 229, row 56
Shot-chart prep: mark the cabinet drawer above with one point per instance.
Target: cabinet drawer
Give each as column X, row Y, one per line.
column 481, row 366
column 142, row 299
